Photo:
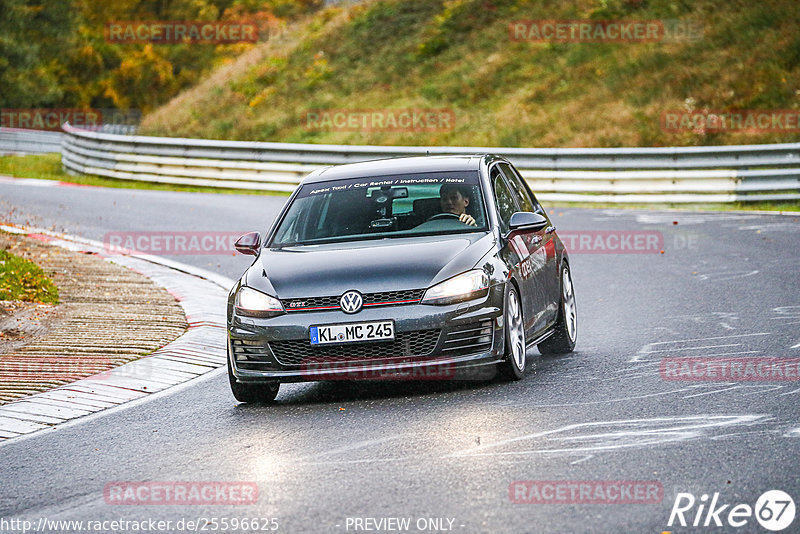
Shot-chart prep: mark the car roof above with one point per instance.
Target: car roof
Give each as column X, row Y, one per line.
column 386, row 167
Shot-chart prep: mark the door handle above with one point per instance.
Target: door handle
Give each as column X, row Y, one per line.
column 550, row 229
column 537, row 239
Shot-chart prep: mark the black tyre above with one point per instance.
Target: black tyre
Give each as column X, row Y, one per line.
column 513, row 366
column 566, row 329
column 252, row 392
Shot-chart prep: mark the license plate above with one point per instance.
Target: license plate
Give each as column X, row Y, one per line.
column 352, row 332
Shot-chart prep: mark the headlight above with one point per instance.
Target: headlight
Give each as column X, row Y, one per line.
column 467, row 286
column 252, row 303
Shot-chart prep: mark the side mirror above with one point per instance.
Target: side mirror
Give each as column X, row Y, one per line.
column 248, row 244
column 526, row 220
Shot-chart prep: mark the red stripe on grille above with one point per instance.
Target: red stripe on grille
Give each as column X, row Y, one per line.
column 318, row 308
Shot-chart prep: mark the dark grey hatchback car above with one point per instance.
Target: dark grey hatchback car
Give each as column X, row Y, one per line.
column 407, row 268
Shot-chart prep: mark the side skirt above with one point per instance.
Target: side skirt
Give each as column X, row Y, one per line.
column 541, row 338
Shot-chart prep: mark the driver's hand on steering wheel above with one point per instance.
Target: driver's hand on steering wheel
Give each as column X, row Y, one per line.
column 467, row 219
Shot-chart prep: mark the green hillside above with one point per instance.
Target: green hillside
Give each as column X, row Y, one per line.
column 459, row 55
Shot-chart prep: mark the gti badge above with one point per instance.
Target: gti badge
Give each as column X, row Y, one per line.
column 351, row 302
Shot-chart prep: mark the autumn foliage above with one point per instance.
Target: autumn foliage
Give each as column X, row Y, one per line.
column 54, row 54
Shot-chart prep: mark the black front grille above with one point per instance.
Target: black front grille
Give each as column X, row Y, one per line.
column 393, row 297
column 405, row 344
column 471, row 338
column 310, row 304
column 383, row 298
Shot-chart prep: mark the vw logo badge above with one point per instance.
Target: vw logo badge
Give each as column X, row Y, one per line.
column 351, row 302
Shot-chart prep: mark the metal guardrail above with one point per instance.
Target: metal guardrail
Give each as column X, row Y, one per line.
column 21, row 141
column 17, row 141
column 631, row 175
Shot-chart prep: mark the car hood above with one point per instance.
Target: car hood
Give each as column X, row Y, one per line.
column 366, row 266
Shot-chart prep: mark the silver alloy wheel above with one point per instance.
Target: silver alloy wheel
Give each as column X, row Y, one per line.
column 570, row 307
column 516, row 332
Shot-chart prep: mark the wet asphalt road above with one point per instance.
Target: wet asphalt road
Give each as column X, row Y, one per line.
column 328, row 455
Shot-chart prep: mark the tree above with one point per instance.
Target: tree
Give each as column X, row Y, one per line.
column 30, row 54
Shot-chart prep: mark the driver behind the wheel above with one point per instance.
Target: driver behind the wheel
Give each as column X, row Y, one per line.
column 455, row 199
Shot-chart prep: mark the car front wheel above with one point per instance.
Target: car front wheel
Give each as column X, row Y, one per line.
column 252, row 392
column 566, row 329
column 513, row 367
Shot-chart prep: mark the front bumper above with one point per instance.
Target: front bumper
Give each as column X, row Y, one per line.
column 452, row 342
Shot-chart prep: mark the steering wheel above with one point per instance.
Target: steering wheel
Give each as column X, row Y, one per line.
column 444, row 216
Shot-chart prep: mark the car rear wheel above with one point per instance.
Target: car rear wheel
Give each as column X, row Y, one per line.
column 566, row 329
column 513, row 367
column 265, row 392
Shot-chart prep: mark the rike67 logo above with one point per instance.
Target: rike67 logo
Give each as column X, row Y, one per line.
column 774, row 510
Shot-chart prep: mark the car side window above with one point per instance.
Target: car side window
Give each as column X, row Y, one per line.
column 504, row 199
column 525, row 198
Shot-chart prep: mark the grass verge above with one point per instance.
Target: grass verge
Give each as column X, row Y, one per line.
column 21, row 279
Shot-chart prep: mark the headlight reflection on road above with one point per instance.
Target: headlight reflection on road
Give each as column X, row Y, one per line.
column 270, row 469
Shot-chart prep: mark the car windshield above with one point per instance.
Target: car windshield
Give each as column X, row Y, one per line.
column 377, row 207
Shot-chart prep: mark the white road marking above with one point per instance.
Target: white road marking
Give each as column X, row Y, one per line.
column 590, row 438
column 722, row 318
column 787, row 313
column 737, row 435
column 691, row 348
column 620, row 399
column 650, row 347
column 776, row 227
column 729, row 353
column 709, row 338
column 621, row 434
column 361, row 461
column 637, row 368
column 721, row 276
column 355, row 446
column 712, row 392
column 764, row 389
